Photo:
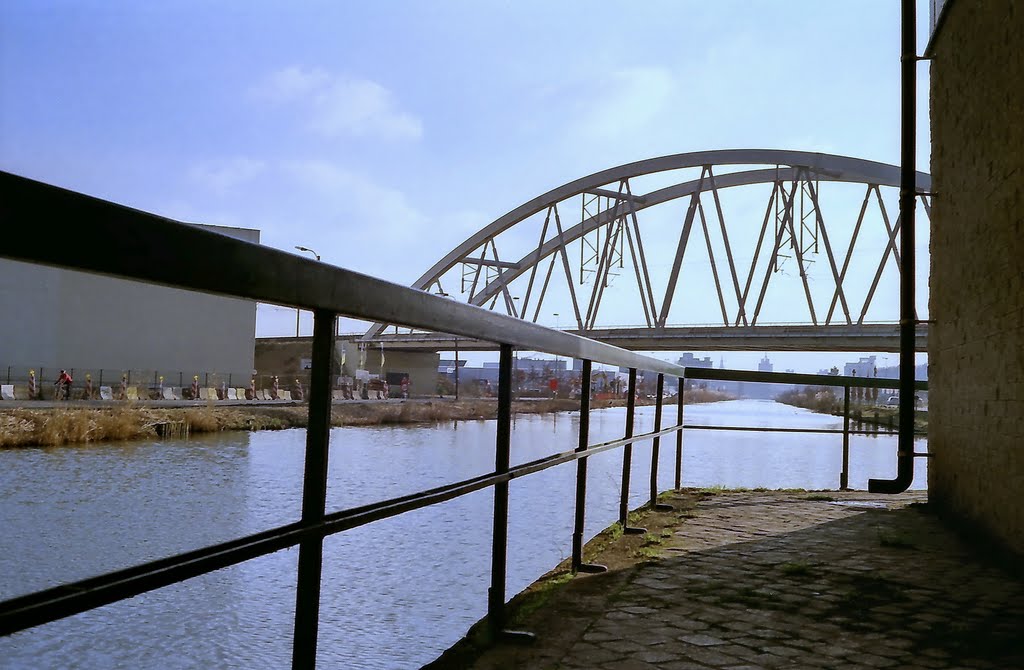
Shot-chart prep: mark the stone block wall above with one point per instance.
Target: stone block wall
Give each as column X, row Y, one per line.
column 976, row 343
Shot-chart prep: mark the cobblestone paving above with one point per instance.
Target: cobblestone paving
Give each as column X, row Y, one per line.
column 772, row 580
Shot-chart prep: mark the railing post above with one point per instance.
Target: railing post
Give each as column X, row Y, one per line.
column 314, row 492
column 627, row 459
column 679, row 435
column 499, row 544
column 844, row 476
column 581, row 476
column 656, row 448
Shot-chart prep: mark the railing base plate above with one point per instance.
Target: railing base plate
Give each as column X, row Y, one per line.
column 632, row 530
column 516, row 636
column 662, row 507
column 592, row 568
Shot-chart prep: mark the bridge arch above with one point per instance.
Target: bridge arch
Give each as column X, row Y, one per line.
column 614, row 209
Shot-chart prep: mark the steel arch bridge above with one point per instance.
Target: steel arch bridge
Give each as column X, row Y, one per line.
column 611, row 243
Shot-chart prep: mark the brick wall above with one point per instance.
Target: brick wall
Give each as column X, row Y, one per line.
column 976, row 345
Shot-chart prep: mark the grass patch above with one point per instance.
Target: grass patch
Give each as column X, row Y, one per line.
column 651, row 539
column 895, row 539
column 795, row 569
column 538, row 598
column 202, row 420
column 647, row 553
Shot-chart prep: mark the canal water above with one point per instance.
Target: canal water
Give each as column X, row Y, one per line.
column 395, row 593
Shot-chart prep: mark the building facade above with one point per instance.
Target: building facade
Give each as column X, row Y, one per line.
column 976, row 338
column 56, row 318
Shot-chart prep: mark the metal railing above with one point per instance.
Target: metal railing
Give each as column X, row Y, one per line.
column 141, row 246
column 834, row 381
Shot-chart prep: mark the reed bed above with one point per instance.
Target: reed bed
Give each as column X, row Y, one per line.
column 60, row 426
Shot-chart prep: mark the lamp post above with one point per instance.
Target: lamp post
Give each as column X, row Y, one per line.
column 297, row 310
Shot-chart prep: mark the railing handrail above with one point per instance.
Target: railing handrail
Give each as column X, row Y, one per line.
column 145, row 247
column 720, row 374
column 32, row 609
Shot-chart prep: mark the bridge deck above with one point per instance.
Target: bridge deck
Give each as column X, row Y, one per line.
column 866, row 337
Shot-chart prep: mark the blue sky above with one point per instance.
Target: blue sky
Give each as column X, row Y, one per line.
column 383, row 134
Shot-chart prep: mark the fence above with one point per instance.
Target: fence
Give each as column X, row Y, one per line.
column 150, row 381
column 268, row 275
column 835, row 381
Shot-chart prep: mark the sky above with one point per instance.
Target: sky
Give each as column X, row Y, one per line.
column 383, row 134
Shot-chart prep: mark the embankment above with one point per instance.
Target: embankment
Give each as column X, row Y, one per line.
column 824, row 400
column 25, row 427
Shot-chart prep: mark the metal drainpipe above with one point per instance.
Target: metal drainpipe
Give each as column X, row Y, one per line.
column 908, row 200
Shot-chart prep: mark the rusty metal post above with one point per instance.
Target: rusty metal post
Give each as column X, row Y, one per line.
column 679, row 435
column 581, row 477
column 627, row 458
column 656, row 448
column 844, row 476
column 314, row 492
column 499, row 543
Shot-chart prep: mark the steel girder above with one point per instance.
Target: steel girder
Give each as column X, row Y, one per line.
column 787, row 166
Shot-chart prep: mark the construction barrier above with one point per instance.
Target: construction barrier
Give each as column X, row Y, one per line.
column 106, row 393
column 6, row 391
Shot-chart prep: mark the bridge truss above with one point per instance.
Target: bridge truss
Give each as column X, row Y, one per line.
column 564, row 251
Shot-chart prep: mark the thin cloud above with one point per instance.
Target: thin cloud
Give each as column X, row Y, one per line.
column 340, row 106
column 629, row 101
column 224, row 175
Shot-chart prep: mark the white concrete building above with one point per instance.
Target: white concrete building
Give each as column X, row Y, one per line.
column 55, row 318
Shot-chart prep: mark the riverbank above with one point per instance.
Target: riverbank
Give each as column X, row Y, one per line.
column 824, row 401
column 64, row 424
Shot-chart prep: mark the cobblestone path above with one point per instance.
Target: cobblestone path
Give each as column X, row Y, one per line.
column 786, row 580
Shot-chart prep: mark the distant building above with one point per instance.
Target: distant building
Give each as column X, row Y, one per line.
column 865, row 367
column 765, row 365
column 688, row 360
column 106, row 327
column 537, row 365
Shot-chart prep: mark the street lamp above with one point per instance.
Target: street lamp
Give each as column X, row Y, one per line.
column 297, row 310
column 308, row 250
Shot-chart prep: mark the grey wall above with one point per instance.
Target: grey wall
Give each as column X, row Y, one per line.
column 60, row 318
column 976, row 342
